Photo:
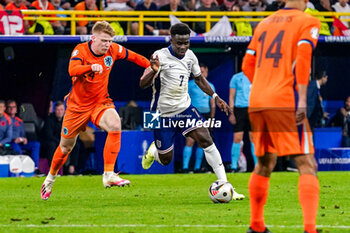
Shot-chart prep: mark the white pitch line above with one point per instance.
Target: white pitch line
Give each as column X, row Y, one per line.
column 158, row 226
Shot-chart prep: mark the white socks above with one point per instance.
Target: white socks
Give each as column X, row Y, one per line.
column 107, row 174
column 51, row 177
column 213, row 157
column 154, row 152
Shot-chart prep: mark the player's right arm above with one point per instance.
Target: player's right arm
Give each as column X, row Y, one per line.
column 150, row 72
column 76, row 67
column 249, row 60
column 231, row 101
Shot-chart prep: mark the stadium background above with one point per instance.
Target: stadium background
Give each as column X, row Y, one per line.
column 36, row 72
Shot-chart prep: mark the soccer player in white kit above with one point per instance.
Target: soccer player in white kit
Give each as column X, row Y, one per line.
column 169, row 73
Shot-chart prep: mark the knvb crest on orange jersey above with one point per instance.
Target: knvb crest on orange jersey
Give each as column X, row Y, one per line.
column 108, row 61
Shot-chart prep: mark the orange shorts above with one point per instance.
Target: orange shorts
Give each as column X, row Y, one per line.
column 75, row 122
column 275, row 131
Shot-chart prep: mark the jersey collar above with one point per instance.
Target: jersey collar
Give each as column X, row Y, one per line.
column 173, row 53
column 90, row 42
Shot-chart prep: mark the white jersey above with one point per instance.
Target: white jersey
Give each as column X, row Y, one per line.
column 170, row 88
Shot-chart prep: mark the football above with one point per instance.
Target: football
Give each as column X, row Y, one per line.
column 221, row 191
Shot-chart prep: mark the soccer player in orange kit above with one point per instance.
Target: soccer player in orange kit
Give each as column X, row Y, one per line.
column 90, row 65
column 277, row 62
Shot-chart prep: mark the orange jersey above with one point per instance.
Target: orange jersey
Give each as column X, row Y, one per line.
column 90, row 89
column 279, row 58
column 81, row 6
column 12, row 6
column 37, row 5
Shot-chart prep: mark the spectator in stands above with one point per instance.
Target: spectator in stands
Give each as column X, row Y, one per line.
column 322, row 5
column 19, row 139
column 207, row 5
column 131, row 116
column 227, row 5
column 51, row 136
column 315, row 110
column 206, row 106
column 189, row 5
column 61, row 24
column 150, row 28
column 161, row 3
column 342, row 119
column 56, row 25
column 253, row 5
column 84, row 27
column 241, row 28
column 18, row 5
column 120, row 5
column 343, row 7
column 275, row 5
column 173, row 6
column 5, row 127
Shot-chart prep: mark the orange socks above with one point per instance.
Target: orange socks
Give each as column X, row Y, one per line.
column 58, row 160
column 111, row 150
column 308, row 197
column 258, row 190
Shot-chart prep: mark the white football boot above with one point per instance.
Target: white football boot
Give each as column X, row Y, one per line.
column 237, row 196
column 113, row 179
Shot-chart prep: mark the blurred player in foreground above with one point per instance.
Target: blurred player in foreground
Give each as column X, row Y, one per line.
column 90, row 65
column 171, row 100
column 277, row 62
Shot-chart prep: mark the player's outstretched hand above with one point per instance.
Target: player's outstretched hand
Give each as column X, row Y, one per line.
column 97, row 68
column 223, row 105
column 155, row 63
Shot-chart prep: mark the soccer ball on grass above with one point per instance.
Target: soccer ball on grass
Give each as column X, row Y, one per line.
column 221, row 191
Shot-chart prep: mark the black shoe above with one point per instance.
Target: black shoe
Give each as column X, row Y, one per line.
column 38, row 173
column 232, row 170
column 201, row 170
column 250, row 230
column 188, row 171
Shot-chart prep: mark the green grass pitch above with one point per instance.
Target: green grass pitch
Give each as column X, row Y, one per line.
column 164, row 203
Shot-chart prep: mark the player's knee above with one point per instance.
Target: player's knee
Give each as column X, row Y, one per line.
column 166, row 159
column 66, row 149
column 205, row 142
column 115, row 126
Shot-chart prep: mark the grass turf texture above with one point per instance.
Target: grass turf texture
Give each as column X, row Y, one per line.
column 164, row 203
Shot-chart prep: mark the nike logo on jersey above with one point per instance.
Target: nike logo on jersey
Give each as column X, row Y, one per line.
column 171, row 66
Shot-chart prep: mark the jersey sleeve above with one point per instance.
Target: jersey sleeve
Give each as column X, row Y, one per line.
column 248, row 65
column 196, row 70
column 233, row 83
column 307, row 42
column 76, row 67
column 124, row 53
column 160, row 58
column 310, row 32
column 120, row 51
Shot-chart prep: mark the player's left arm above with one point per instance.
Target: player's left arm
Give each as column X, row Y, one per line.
column 306, row 44
column 206, row 88
column 136, row 58
column 212, row 106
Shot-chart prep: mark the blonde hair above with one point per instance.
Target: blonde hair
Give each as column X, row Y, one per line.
column 103, row 26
